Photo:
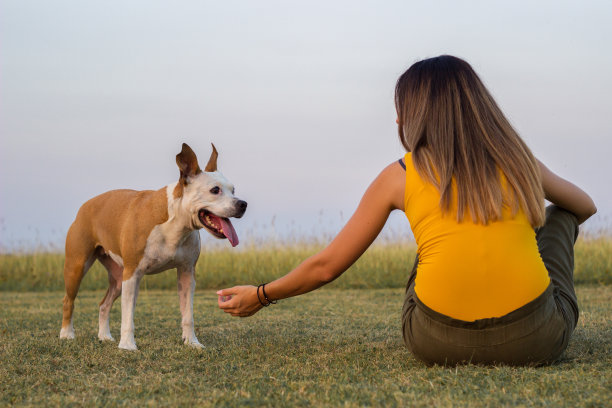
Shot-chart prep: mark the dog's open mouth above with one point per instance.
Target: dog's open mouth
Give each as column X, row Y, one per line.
column 218, row 226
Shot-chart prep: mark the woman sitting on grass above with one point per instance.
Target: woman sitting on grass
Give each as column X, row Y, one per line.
column 493, row 279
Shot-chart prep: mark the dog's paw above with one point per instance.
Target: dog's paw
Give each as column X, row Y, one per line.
column 66, row 333
column 126, row 345
column 105, row 337
column 195, row 344
column 192, row 342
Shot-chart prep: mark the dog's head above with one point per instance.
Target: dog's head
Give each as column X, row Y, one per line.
column 207, row 196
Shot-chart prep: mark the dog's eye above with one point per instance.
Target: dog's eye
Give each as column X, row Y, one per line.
column 233, row 190
column 215, row 190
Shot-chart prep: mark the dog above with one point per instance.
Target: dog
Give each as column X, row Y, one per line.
column 136, row 233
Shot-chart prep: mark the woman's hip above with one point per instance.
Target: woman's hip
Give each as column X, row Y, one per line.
column 536, row 333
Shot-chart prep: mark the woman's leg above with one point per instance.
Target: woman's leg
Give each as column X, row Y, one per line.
column 556, row 244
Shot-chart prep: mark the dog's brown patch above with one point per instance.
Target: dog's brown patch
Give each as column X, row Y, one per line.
column 119, row 221
column 178, row 190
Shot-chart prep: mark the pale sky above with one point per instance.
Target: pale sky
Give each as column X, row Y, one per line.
column 297, row 97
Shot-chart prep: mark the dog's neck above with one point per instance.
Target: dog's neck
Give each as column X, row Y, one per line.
column 180, row 223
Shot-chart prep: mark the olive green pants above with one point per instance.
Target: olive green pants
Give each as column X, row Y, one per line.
column 536, row 333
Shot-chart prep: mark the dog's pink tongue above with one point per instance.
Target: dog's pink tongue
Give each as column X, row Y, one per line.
column 229, row 231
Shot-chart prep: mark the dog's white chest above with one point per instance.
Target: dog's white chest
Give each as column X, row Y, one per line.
column 167, row 249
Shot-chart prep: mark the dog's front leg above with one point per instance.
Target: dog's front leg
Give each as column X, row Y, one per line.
column 129, row 293
column 186, row 287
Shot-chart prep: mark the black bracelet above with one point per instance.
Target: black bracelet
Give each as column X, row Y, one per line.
column 258, row 298
column 263, row 289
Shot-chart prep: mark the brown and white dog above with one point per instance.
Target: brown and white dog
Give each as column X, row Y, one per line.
column 136, row 233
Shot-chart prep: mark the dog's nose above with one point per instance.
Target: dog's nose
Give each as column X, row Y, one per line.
column 240, row 208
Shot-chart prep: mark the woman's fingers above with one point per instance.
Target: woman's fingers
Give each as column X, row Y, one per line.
column 225, row 295
column 224, row 301
column 239, row 301
column 237, row 313
column 229, row 299
column 228, row 291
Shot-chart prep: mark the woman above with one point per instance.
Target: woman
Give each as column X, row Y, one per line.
column 493, row 280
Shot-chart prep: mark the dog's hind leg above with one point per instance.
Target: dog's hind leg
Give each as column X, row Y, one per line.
column 79, row 258
column 115, row 276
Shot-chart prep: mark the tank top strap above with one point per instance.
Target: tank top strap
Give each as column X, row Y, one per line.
column 401, row 162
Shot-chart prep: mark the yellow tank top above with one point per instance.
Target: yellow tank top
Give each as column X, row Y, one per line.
column 471, row 271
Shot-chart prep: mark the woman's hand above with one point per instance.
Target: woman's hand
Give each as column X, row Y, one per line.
column 239, row 301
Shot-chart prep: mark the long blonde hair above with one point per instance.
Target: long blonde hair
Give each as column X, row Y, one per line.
column 460, row 139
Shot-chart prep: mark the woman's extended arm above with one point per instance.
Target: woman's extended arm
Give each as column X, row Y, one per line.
column 385, row 194
column 566, row 195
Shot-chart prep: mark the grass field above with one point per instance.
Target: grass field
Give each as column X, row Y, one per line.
column 330, row 347
column 340, row 346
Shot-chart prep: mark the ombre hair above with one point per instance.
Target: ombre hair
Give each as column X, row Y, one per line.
column 460, row 140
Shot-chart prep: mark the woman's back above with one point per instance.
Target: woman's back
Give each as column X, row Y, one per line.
column 468, row 270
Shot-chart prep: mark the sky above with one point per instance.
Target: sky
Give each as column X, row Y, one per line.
column 297, row 96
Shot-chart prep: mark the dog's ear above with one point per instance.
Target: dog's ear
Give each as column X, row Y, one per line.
column 187, row 163
column 212, row 162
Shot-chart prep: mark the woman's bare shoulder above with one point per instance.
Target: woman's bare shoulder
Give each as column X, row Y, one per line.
column 392, row 180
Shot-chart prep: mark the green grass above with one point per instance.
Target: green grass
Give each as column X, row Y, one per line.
column 382, row 266
column 326, row 348
column 341, row 346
